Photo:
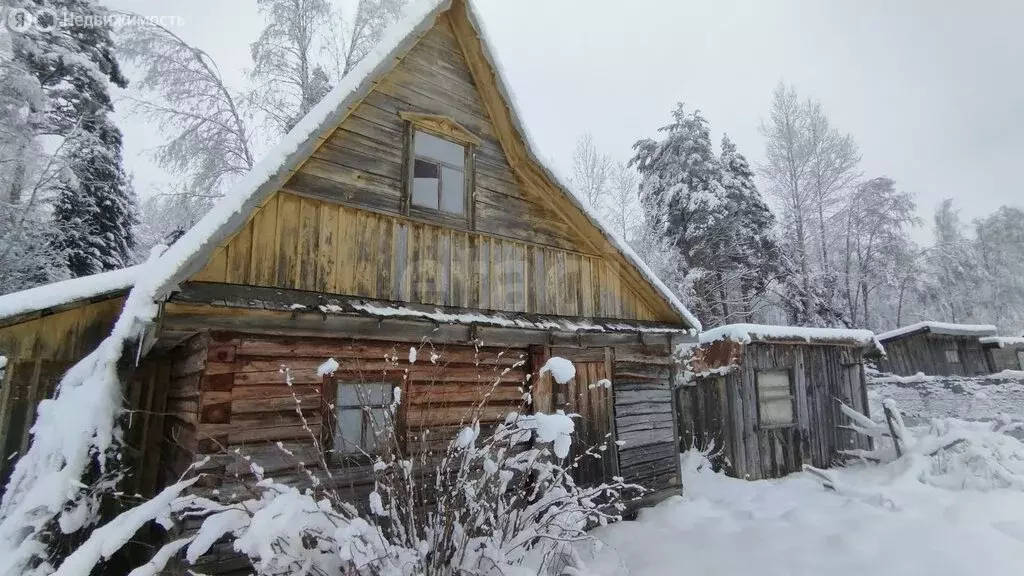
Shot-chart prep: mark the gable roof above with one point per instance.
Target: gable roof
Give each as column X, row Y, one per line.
column 942, row 328
column 188, row 255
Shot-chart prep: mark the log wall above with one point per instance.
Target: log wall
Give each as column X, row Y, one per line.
column 926, row 352
column 725, row 410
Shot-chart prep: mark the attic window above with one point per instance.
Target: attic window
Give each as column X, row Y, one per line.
column 439, row 153
column 438, row 174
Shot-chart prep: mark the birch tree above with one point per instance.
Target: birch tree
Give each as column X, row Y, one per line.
column 181, row 91
column 622, row 203
column 351, row 38
column 808, row 166
column 878, row 219
column 591, row 173
column 289, row 80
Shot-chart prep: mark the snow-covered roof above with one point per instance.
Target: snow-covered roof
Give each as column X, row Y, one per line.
column 940, row 328
column 188, row 255
column 67, row 291
column 1002, row 341
column 747, row 333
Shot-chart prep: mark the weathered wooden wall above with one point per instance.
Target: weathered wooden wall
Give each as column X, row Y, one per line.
column 1007, row 357
column 725, row 410
column 338, row 226
column 39, row 350
column 926, row 352
column 645, row 421
column 316, row 245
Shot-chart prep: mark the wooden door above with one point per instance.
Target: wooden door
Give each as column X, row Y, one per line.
column 589, row 396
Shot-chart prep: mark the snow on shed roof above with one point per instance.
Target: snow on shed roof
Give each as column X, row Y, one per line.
column 1002, row 341
column 187, row 255
column 940, row 328
column 747, row 333
column 67, row 291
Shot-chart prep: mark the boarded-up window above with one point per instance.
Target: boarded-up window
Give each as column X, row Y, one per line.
column 361, row 415
column 438, row 178
column 775, row 402
column 952, row 356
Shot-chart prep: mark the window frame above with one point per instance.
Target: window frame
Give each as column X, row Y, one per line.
column 1020, row 359
column 330, row 421
column 953, row 356
column 791, row 397
column 450, row 131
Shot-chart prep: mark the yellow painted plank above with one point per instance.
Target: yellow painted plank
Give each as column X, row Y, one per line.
column 327, row 249
column 288, row 208
column 216, row 267
column 348, row 250
column 263, row 268
column 365, row 265
column 309, row 239
column 240, row 255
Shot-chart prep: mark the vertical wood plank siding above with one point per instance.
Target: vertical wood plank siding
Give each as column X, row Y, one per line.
column 39, row 351
column 926, row 353
column 337, row 226
column 325, row 247
column 724, row 410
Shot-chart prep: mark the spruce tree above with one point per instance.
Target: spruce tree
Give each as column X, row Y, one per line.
column 74, row 62
column 753, row 248
column 682, row 196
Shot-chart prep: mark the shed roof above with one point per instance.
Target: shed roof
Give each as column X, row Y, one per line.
column 942, row 328
column 67, row 292
column 747, row 333
column 1002, row 341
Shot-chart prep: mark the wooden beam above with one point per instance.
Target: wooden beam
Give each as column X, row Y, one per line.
column 441, row 125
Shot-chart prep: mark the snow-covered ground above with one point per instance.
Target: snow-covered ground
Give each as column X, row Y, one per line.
column 727, row 527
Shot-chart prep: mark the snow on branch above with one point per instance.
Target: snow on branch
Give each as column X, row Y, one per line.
column 75, row 439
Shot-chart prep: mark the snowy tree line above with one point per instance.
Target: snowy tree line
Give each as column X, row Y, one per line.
column 67, row 205
column 825, row 245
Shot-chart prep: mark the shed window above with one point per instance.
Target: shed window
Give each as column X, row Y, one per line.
column 1020, row 359
column 361, row 414
column 438, row 174
column 775, row 401
column 952, row 356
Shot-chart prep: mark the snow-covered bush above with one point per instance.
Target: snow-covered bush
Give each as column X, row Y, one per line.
column 947, row 452
column 493, row 502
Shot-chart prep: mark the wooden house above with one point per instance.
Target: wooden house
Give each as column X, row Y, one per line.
column 407, row 210
column 765, row 396
column 1003, row 353
column 936, row 349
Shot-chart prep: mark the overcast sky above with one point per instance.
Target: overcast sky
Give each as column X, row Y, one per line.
column 932, row 90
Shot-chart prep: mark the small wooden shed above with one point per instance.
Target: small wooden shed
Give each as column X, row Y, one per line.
column 936, row 349
column 766, row 396
column 1003, row 352
column 43, row 332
